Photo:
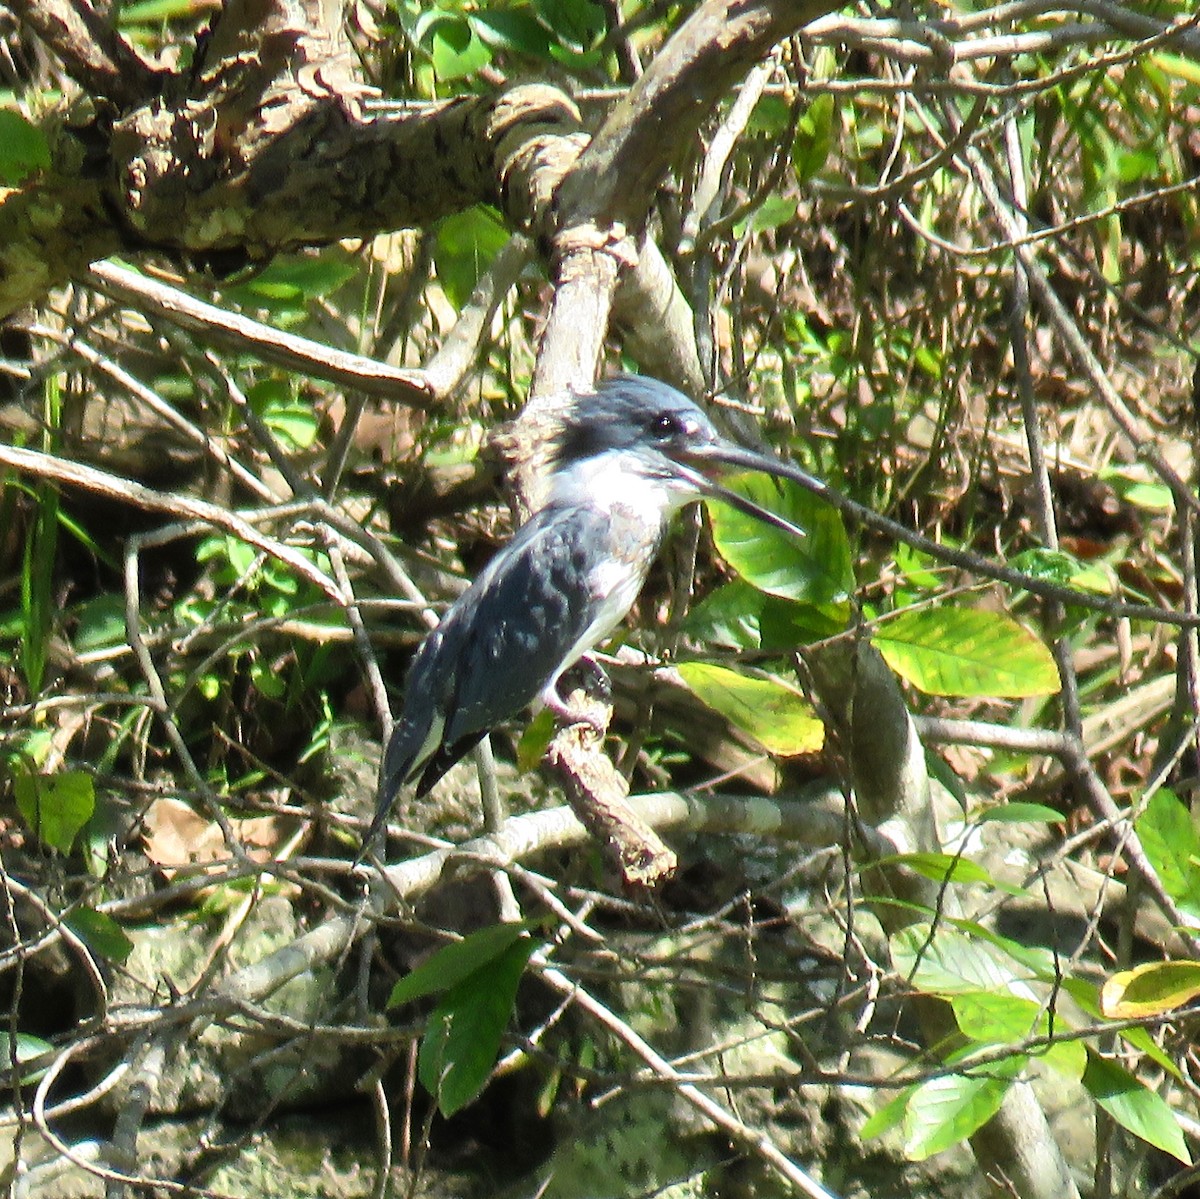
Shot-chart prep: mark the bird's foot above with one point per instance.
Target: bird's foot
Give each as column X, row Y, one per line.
column 588, row 700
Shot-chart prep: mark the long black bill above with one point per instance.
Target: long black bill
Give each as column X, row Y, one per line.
column 727, row 454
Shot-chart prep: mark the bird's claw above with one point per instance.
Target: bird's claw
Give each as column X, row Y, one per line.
column 590, row 701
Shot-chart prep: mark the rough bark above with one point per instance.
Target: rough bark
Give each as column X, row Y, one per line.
column 263, row 146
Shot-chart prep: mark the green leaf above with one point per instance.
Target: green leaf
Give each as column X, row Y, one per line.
column 293, row 279
column 943, row 868
column 1018, row 812
column 740, row 616
column 463, row 1042
column 457, row 961
column 100, row 933
column 814, row 137
column 23, row 1048
column 815, row 568
column 55, row 806
column 771, row 213
column 966, row 652
column 1137, row 488
column 1057, row 566
column 946, row 1110
column 467, row 243
column 1134, row 1106
column 296, row 424
column 267, row 680
column 23, row 148
column 951, row 963
column 156, row 12
column 1000, row 1018
column 512, row 29
column 100, row 623
column 887, row 1117
column 918, row 569
column 1035, row 961
column 1178, row 66
column 535, row 740
column 1171, row 843
column 771, row 116
column 775, row 715
column 453, row 45
column 577, row 24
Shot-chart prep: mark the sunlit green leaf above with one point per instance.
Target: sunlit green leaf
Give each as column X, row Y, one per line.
column 950, row 963
column 294, row 279
column 538, row 734
column 996, row 1017
column 941, row 868
column 966, row 652
column 1018, row 812
column 295, row 423
column 775, row 715
column 1057, row 566
column 24, row 1048
column 155, row 12
column 267, row 680
column 918, row 569
column 946, row 1110
column 467, row 242
column 1172, row 844
column 814, row 136
column 815, row 568
column 887, row 1117
column 452, row 43
column 1134, row 1106
column 1179, row 66
column 771, row 213
column 23, row 148
column 55, row 806
column 1137, row 487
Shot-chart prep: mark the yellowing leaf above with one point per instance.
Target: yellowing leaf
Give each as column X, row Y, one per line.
column 966, row 651
column 1149, row 990
column 781, row 719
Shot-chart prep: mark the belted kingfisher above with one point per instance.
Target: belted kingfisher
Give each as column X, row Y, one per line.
column 628, row 457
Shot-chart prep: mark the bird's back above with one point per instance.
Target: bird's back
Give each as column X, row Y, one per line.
column 531, row 613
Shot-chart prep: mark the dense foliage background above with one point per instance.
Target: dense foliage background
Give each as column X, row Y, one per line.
column 289, row 295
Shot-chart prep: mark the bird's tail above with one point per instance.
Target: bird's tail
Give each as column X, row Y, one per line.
column 408, row 750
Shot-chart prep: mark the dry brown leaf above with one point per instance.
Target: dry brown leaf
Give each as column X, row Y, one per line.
column 178, row 838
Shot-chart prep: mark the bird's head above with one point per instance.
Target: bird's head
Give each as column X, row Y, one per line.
column 648, row 431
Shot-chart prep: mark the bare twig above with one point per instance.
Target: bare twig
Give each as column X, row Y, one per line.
column 754, row 1141
column 271, row 345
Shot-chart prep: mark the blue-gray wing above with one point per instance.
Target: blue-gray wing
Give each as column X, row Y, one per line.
column 499, row 644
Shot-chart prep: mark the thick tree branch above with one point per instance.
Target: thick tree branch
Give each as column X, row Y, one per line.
column 90, row 49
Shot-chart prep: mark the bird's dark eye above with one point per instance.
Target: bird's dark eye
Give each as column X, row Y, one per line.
column 666, row 424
